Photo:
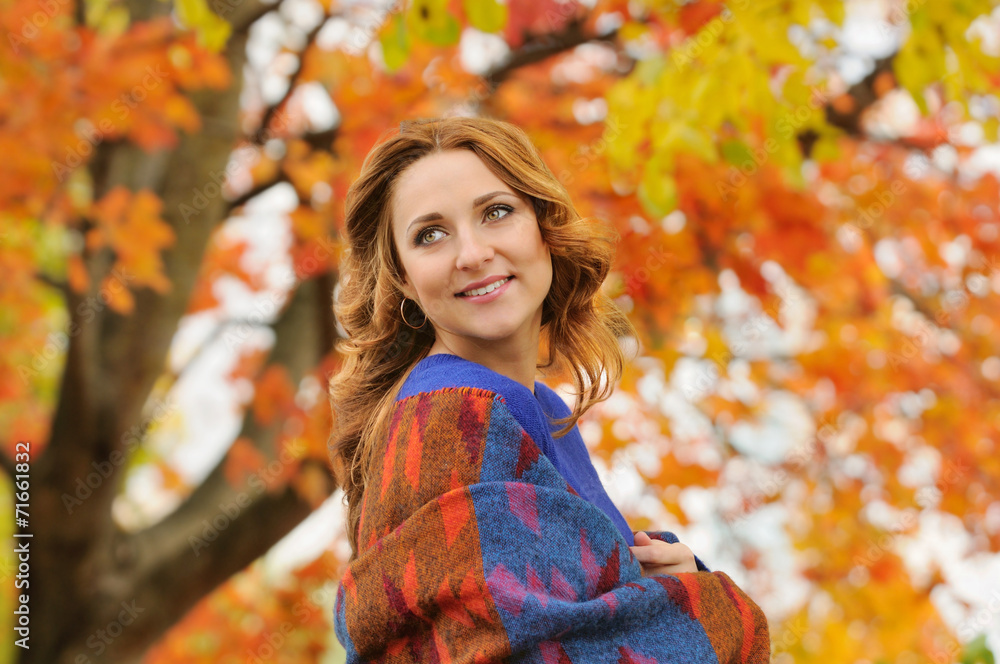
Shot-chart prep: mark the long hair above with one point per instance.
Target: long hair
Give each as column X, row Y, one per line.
column 581, row 326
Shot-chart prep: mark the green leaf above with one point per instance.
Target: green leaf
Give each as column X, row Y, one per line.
column 109, row 20
column 736, row 152
column 212, row 30
column 658, row 190
column 826, row 148
column 430, row 21
column 395, row 44
column 486, row 15
column 977, row 652
column 684, row 137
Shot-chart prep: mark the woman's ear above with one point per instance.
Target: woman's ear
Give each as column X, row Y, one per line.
column 407, row 289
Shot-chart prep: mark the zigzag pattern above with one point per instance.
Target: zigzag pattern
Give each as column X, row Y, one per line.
column 477, row 550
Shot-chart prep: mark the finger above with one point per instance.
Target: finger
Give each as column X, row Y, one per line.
column 647, row 555
column 662, row 553
column 642, row 539
column 653, row 570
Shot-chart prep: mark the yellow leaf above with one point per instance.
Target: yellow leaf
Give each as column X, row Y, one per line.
column 658, row 189
column 431, row 21
column 990, row 129
column 213, row 31
column 632, row 31
column 395, row 42
column 307, row 223
column 486, row 15
column 682, row 137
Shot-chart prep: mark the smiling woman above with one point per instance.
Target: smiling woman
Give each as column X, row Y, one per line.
column 479, row 528
column 475, row 264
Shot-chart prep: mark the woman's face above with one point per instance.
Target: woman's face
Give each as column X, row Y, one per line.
column 460, row 230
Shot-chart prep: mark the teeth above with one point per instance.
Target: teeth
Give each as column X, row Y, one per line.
column 486, row 289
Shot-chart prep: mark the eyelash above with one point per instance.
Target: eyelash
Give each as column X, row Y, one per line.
column 500, row 206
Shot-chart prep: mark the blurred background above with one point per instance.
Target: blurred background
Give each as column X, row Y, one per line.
column 807, row 197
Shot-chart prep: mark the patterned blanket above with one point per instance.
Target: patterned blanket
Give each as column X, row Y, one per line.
column 474, row 549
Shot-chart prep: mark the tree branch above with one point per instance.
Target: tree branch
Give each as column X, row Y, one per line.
column 245, row 14
column 293, row 79
column 544, row 47
column 220, row 529
column 923, row 308
column 231, row 537
column 863, row 95
column 255, row 191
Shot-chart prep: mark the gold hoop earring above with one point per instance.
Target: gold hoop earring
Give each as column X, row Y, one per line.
column 403, row 316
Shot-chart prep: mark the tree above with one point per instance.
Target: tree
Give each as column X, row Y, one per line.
column 781, row 243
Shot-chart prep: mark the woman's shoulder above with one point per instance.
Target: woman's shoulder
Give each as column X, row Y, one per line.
column 551, row 402
column 443, row 371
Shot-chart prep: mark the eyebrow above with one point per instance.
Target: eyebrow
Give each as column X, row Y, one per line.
column 482, row 200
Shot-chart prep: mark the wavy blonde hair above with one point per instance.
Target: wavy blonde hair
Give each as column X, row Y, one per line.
column 581, row 326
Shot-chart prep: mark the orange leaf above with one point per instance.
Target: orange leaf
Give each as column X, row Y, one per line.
column 844, row 104
column 307, row 223
column 274, row 394
column 79, row 279
column 311, row 484
column 242, row 460
column 172, row 480
column 696, row 14
column 884, row 83
column 117, row 295
column 131, row 225
column 224, row 257
column 247, row 364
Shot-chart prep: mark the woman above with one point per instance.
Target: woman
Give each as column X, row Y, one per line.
column 479, row 529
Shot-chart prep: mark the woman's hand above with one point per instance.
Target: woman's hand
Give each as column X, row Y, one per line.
column 662, row 557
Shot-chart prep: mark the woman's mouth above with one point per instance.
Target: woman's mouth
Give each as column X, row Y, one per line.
column 489, row 288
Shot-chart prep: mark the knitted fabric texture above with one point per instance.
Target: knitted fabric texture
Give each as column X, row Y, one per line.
column 474, row 549
column 535, row 410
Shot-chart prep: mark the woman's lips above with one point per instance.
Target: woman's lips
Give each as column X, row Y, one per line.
column 488, row 297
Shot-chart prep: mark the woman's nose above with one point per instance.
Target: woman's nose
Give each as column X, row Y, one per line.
column 473, row 251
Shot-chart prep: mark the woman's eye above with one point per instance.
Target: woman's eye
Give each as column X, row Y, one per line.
column 422, row 236
column 427, row 235
column 498, row 212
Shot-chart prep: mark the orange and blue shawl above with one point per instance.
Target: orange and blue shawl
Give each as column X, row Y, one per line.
column 473, row 548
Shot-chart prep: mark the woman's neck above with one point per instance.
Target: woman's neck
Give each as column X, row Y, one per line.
column 518, row 365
